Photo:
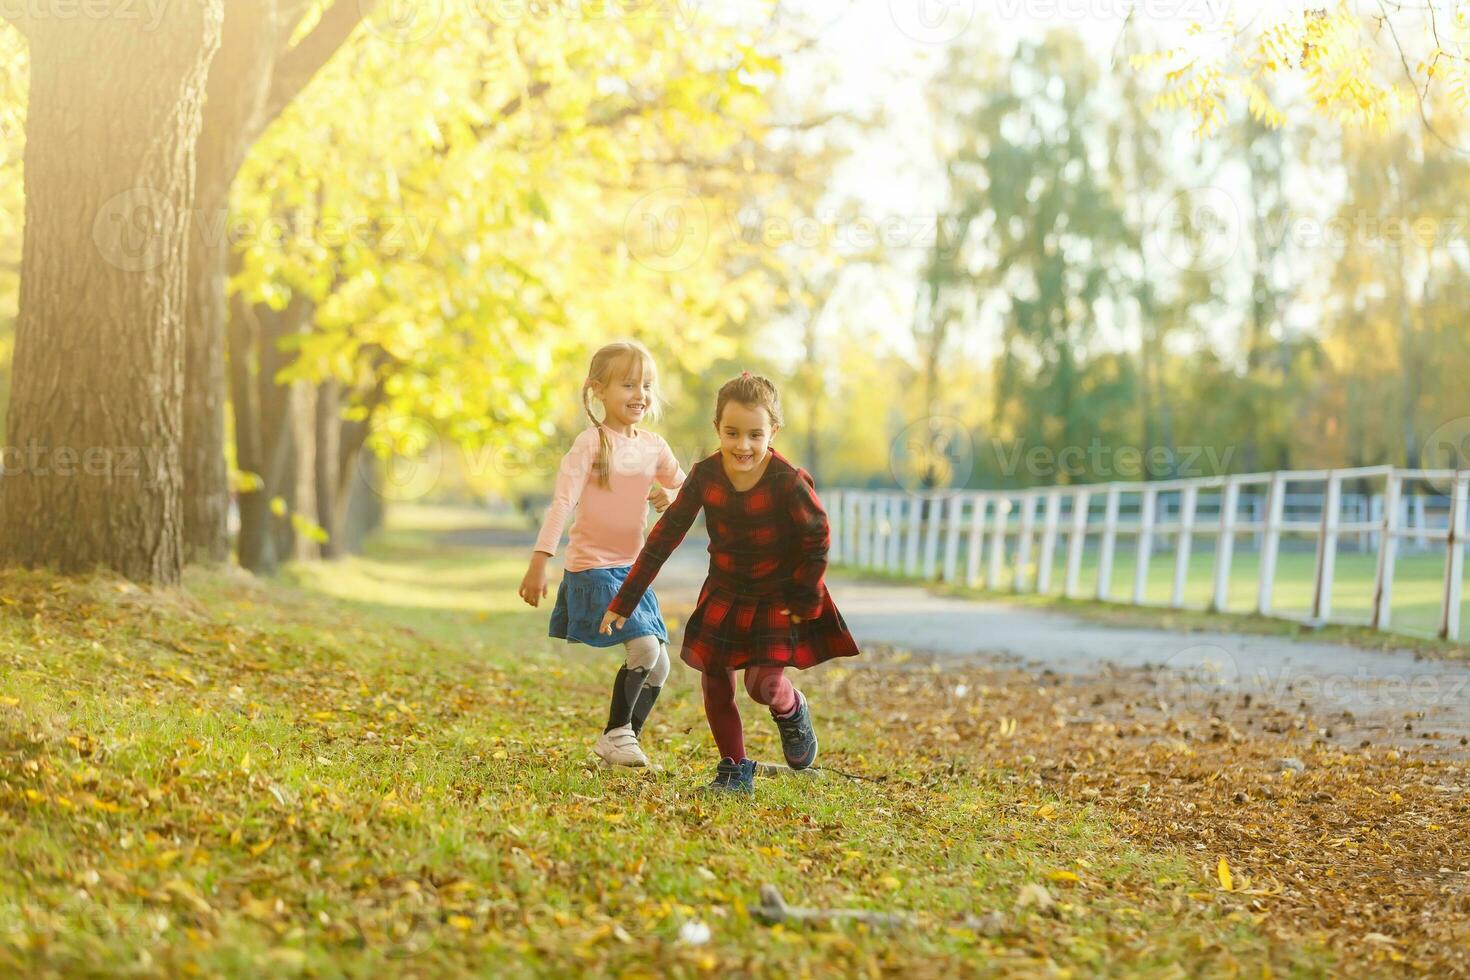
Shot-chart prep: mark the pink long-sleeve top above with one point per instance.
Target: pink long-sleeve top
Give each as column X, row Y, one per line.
column 608, row 525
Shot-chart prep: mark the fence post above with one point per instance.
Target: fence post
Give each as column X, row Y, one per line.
column 1271, row 540
column 1023, row 542
column 1188, row 504
column 911, row 536
column 835, row 525
column 955, row 505
column 1387, row 552
column 880, row 532
column 1327, row 549
column 1421, row 522
column 997, row 543
column 1077, row 541
column 1454, row 561
column 1375, row 516
column 870, row 544
column 979, row 504
column 1109, row 539
column 931, row 541
column 1145, row 543
column 895, row 532
column 1048, row 541
column 1225, row 546
column 854, row 536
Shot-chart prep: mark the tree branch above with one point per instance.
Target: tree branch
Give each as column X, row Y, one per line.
column 299, row 65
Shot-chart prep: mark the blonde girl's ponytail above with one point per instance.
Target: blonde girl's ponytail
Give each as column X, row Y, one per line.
column 603, row 464
column 631, row 357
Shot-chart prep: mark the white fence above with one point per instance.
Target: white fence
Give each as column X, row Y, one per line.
column 1009, row 539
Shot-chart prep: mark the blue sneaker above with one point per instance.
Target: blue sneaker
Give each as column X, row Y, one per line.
column 734, row 777
column 798, row 740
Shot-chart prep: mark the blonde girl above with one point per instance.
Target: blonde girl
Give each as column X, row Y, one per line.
column 605, row 483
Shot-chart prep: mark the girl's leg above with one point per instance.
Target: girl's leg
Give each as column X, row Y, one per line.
column 652, row 685
column 723, row 714
column 769, row 686
column 642, row 658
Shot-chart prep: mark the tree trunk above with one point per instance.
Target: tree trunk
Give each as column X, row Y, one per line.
column 264, row 424
column 328, row 446
column 115, row 110
column 254, row 545
column 254, row 78
column 303, row 465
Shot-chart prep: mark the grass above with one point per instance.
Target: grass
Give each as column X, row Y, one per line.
column 1414, row 610
column 382, row 766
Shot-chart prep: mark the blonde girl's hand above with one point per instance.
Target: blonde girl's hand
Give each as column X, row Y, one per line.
column 610, row 622
column 794, row 619
column 660, row 498
column 533, row 586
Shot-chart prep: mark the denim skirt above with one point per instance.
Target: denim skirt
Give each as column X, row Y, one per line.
column 582, row 600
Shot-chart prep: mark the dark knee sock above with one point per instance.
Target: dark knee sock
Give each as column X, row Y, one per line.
column 723, row 715
column 643, row 706
column 626, row 688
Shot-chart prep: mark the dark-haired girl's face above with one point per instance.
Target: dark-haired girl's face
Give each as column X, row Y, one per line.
column 745, row 436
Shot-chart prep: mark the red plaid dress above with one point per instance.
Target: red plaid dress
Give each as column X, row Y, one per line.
column 767, row 552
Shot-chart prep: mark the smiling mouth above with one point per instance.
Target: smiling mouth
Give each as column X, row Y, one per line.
column 748, row 457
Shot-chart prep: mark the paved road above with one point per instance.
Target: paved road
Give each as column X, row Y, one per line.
column 1383, row 690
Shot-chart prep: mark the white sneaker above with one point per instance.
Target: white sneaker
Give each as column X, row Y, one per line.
column 620, row 747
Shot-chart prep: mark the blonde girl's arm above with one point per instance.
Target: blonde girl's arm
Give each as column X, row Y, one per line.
column 571, row 479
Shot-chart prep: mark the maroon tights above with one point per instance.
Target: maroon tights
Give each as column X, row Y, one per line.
column 765, row 685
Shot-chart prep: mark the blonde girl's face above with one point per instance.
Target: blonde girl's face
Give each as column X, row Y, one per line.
column 629, row 395
column 745, row 437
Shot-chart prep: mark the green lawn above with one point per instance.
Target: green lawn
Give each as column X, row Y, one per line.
column 382, row 766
